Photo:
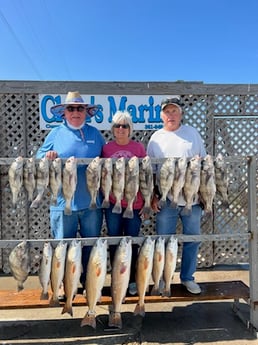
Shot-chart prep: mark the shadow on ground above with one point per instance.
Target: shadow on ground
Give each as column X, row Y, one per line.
column 194, row 323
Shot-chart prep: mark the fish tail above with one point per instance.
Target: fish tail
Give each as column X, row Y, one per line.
column 128, row 213
column 155, row 291
column 67, row 210
column 173, row 204
column 67, row 309
column 146, row 210
column 44, row 295
column 225, row 203
column 139, row 310
column 35, row 203
column 20, row 287
column 186, row 211
column 93, row 205
column 166, row 293
column 54, row 302
column 117, row 208
column 115, row 320
column 162, row 203
column 89, row 320
column 105, row 204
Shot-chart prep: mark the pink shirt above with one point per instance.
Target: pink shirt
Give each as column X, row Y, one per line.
column 133, row 148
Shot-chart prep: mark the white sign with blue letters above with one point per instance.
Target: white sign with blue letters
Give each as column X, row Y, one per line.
column 144, row 109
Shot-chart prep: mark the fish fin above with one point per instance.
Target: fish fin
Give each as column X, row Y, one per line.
column 44, row 295
column 139, row 310
column 117, row 208
column 155, row 291
column 89, row 320
column 115, row 320
column 67, row 309
column 128, row 213
column 105, row 204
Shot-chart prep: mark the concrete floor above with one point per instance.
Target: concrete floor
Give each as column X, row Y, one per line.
column 212, row 322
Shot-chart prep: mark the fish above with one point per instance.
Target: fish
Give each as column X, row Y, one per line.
column 158, row 264
column 55, row 179
column 171, row 250
column 146, row 184
column 93, row 174
column 42, row 181
column 131, row 185
column 221, row 179
column 118, row 183
column 166, row 178
column 45, row 269
column 106, row 181
column 15, row 174
column 69, row 182
column 57, row 272
column 19, row 261
column 120, row 276
column 192, row 183
column 143, row 273
column 207, row 189
column 95, row 279
column 72, row 274
column 29, row 177
column 179, row 180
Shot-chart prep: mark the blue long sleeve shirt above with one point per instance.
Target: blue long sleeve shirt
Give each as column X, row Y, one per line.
column 86, row 142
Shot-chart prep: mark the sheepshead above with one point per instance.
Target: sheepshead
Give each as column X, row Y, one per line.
column 179, row 180
column 118, row 183
column 29, row 177
column 131, row 184
column 57, row 272
column 19, row 261
column 120, row 279
column 146, row 183
column 106, row 181
column 72, row 274
column 143, row 272
column 15, row 174
column 55, row 178
column 166, row 178
column 95, row 279
column 170, row 263
column 69, row 182
column 207, row 188
column 158, row 264
column 192, row 183
column 45, row 269
column 221, row 179
column 42, row 181
column 93, row 173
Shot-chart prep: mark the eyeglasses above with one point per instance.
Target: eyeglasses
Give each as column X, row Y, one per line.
column 118, row 125
column 174, row 100
column 71, row 108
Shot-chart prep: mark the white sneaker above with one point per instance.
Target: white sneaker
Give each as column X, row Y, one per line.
column 132, row 289
column 192, row 287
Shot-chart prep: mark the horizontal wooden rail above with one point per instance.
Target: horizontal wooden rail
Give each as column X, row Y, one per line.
column 210, row 291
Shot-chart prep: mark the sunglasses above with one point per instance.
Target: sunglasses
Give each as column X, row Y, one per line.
column 71, row 108
column 126, row 126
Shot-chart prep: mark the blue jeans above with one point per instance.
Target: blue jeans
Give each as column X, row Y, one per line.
column 88, row 222
column 166, row 221
column 119, row 226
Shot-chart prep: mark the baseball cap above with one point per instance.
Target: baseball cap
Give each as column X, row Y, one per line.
column 171, row 100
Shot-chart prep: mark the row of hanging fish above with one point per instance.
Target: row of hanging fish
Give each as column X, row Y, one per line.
column 195, row 177
column 37, row 179
column 156, row 262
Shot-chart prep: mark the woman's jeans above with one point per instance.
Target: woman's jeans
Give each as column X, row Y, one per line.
column 88, row 222
column 119, row 226
column 166, row 222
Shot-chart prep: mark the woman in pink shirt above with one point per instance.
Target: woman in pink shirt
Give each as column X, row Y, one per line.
column 117, row 225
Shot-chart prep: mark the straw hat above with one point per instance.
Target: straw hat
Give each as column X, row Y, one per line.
column 73, row 98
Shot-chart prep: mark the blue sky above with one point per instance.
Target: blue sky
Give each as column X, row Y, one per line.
column 214, row 41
